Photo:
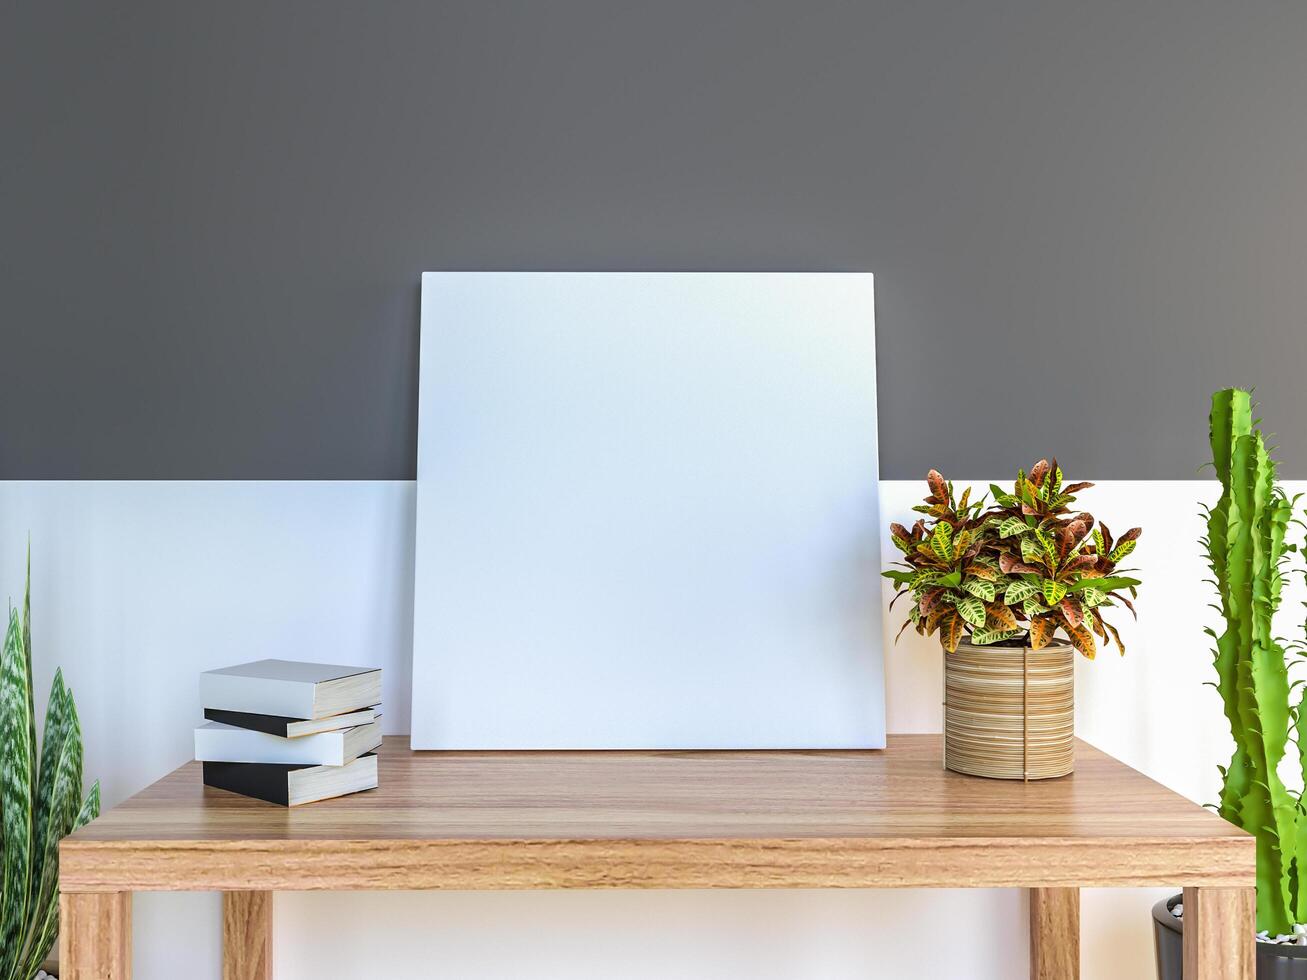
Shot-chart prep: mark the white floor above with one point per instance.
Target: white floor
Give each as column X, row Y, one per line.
column 137, row 586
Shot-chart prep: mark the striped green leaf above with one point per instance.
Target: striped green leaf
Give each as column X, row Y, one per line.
column 45, row 931
column 90, row 807
column 1121, row 550
column 52, row 744
column 1032, row 551
column 972, row 610
column 1011, row 526
column 64, row 796
column 941, row 542
column 1002, row 497
column 1089, row 598
column 1054, row 592
column 980, row 588
column 986, row 637
column 43, row 895
column 1019, row 591
column 15, row 795
column 1108, row 584
column 39, row 794
column 27, row 659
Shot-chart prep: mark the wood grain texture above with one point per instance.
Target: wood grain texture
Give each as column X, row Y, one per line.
column 1219, row 928
column 95, row 936
column 892, row 818
column 1010, row 713
column 247, row 935
column 1054, row 933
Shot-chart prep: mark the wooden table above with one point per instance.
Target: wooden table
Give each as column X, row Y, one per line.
column 890, row 819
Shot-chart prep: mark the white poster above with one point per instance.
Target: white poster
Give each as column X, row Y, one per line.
column 647, row 512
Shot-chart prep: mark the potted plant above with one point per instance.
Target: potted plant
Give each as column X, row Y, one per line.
column 997, row 584
column 1246, row 550
column 40, row 801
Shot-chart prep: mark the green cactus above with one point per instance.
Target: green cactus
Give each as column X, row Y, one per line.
column 1246, row 549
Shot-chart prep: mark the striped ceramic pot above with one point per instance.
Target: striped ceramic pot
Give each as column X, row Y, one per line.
column 1009, row 712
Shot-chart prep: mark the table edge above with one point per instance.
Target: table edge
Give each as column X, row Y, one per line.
column 809, row 862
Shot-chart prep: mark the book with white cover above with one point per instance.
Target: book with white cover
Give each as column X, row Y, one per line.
column 290, row 688
column 216, row 742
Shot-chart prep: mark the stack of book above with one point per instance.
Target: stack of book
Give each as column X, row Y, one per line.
column 290, row 732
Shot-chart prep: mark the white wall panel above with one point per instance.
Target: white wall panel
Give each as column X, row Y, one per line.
column 137, row 586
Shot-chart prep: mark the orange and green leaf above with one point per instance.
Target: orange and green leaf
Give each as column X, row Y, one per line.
column 1082, row 638
column 999, row 617
column 938, row 486
column 1071, row 612
column 951, row 628
column 1041, row 632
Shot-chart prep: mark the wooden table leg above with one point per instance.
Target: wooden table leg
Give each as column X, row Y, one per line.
column 1219, row 929
column 1055, row 934
column 247, row 936
column 95, row 936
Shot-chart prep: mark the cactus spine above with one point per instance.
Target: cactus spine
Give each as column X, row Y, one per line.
column 1245, row 548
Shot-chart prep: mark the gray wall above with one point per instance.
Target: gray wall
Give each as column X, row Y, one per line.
column 1082, row 216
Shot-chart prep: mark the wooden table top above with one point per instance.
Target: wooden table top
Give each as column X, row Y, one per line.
column 892, row 818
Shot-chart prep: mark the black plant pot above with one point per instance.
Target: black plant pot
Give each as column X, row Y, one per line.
column 1273, row 962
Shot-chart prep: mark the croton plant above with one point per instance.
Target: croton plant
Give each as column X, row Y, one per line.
column 1016, row 571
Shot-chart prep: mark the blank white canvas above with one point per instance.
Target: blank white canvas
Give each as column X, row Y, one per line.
column 647, row 512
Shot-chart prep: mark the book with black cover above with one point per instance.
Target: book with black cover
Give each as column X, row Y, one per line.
column 288, row 785
column 288, row 727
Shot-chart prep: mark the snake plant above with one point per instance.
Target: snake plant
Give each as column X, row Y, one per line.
column 40, row 800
